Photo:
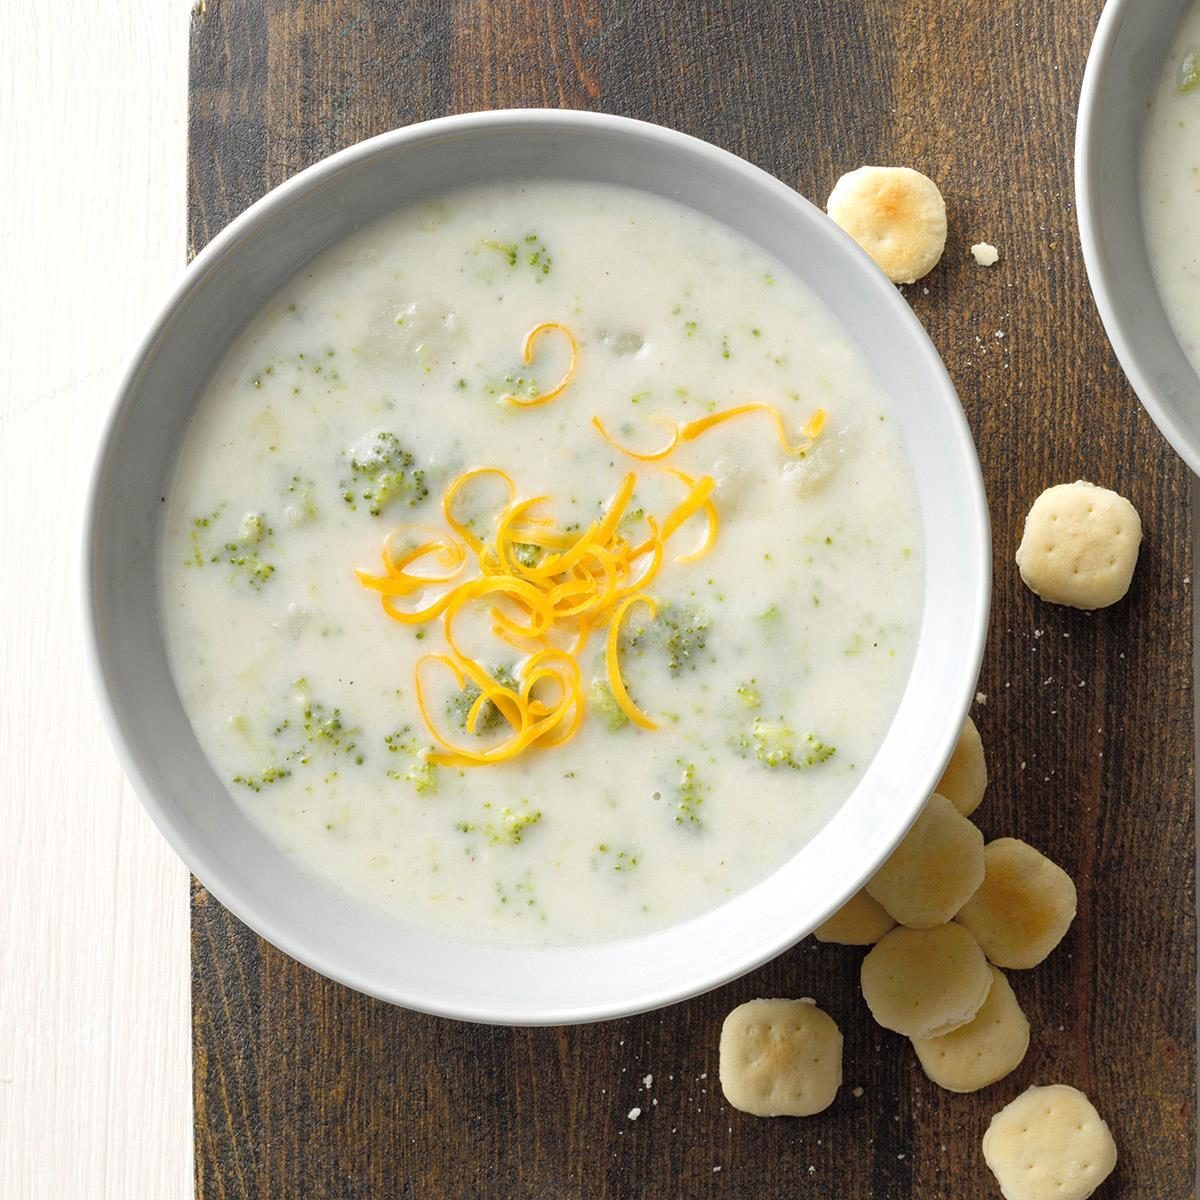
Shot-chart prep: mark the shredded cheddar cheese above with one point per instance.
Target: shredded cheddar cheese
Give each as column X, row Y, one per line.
column 527, row 357
column 547, row 609
column 690, row 430
column 612, row 661
column 547, row 590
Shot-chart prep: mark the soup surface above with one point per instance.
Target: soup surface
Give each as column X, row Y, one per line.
column 640, row 692
column 1171, row 185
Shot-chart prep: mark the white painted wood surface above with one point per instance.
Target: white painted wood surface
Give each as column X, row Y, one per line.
column 95, row 1087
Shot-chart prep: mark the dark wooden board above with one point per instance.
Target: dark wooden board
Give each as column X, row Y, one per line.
column 305, row 1089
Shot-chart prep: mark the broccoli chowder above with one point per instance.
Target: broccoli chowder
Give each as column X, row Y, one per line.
column 542, row 564
column 1171, row 186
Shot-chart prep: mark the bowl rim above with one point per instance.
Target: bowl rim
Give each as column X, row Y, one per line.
column 226, row 887
column 1101, row 277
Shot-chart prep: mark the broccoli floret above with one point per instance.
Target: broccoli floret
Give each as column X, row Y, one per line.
column 631, row 520
column 324, row 728
column 685, row 635
column 689, row 796
column 253, row 529
column 198, row 557
column 506, row 250
column 302, row 507
column 247, row 562
column 417, row 771
column 530, row 251
column 490, row 718
column 527, row 554
column 319, row 730
column 263, row 779
column 774, row 744
column 513, row 383
column 536, row 254
column 622, row 860
column 421, row 774
column 381, row 470
column 509, row 826
column 679, row 633
column 254, row 569
column 610, row 711
column 313, row 733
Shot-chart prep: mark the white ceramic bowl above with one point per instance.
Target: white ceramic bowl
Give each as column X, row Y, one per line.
column 1123, row 69
column 371, row 950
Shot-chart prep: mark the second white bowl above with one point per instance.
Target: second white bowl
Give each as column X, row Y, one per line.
column 1123, row 69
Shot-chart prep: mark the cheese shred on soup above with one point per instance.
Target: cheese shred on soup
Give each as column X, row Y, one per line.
column 542, row 564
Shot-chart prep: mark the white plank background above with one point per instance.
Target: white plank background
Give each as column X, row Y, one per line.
column 94, row 1020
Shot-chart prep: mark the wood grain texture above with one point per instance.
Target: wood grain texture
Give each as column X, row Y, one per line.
column 303, row 1088
column 95, row 1027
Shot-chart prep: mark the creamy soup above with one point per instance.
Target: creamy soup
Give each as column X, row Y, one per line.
column 542, row 564
column 1171, row 185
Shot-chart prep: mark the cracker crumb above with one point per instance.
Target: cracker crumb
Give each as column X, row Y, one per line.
column 985, row 254
column 647, row 1081
column 981, row 698
column 856, row 1093
column 634, row 1113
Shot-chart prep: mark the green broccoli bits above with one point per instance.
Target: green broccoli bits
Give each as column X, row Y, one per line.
column 489, row 717
column 610, row 712
column 529, row 252
column 775, row 744
column 250, row 566
column 264, row 778
column 689, row 796
column 507, row 828
column 679, row 634
column 417, row 771
column 318, row 731
column 242, row 555
column 382, row 470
